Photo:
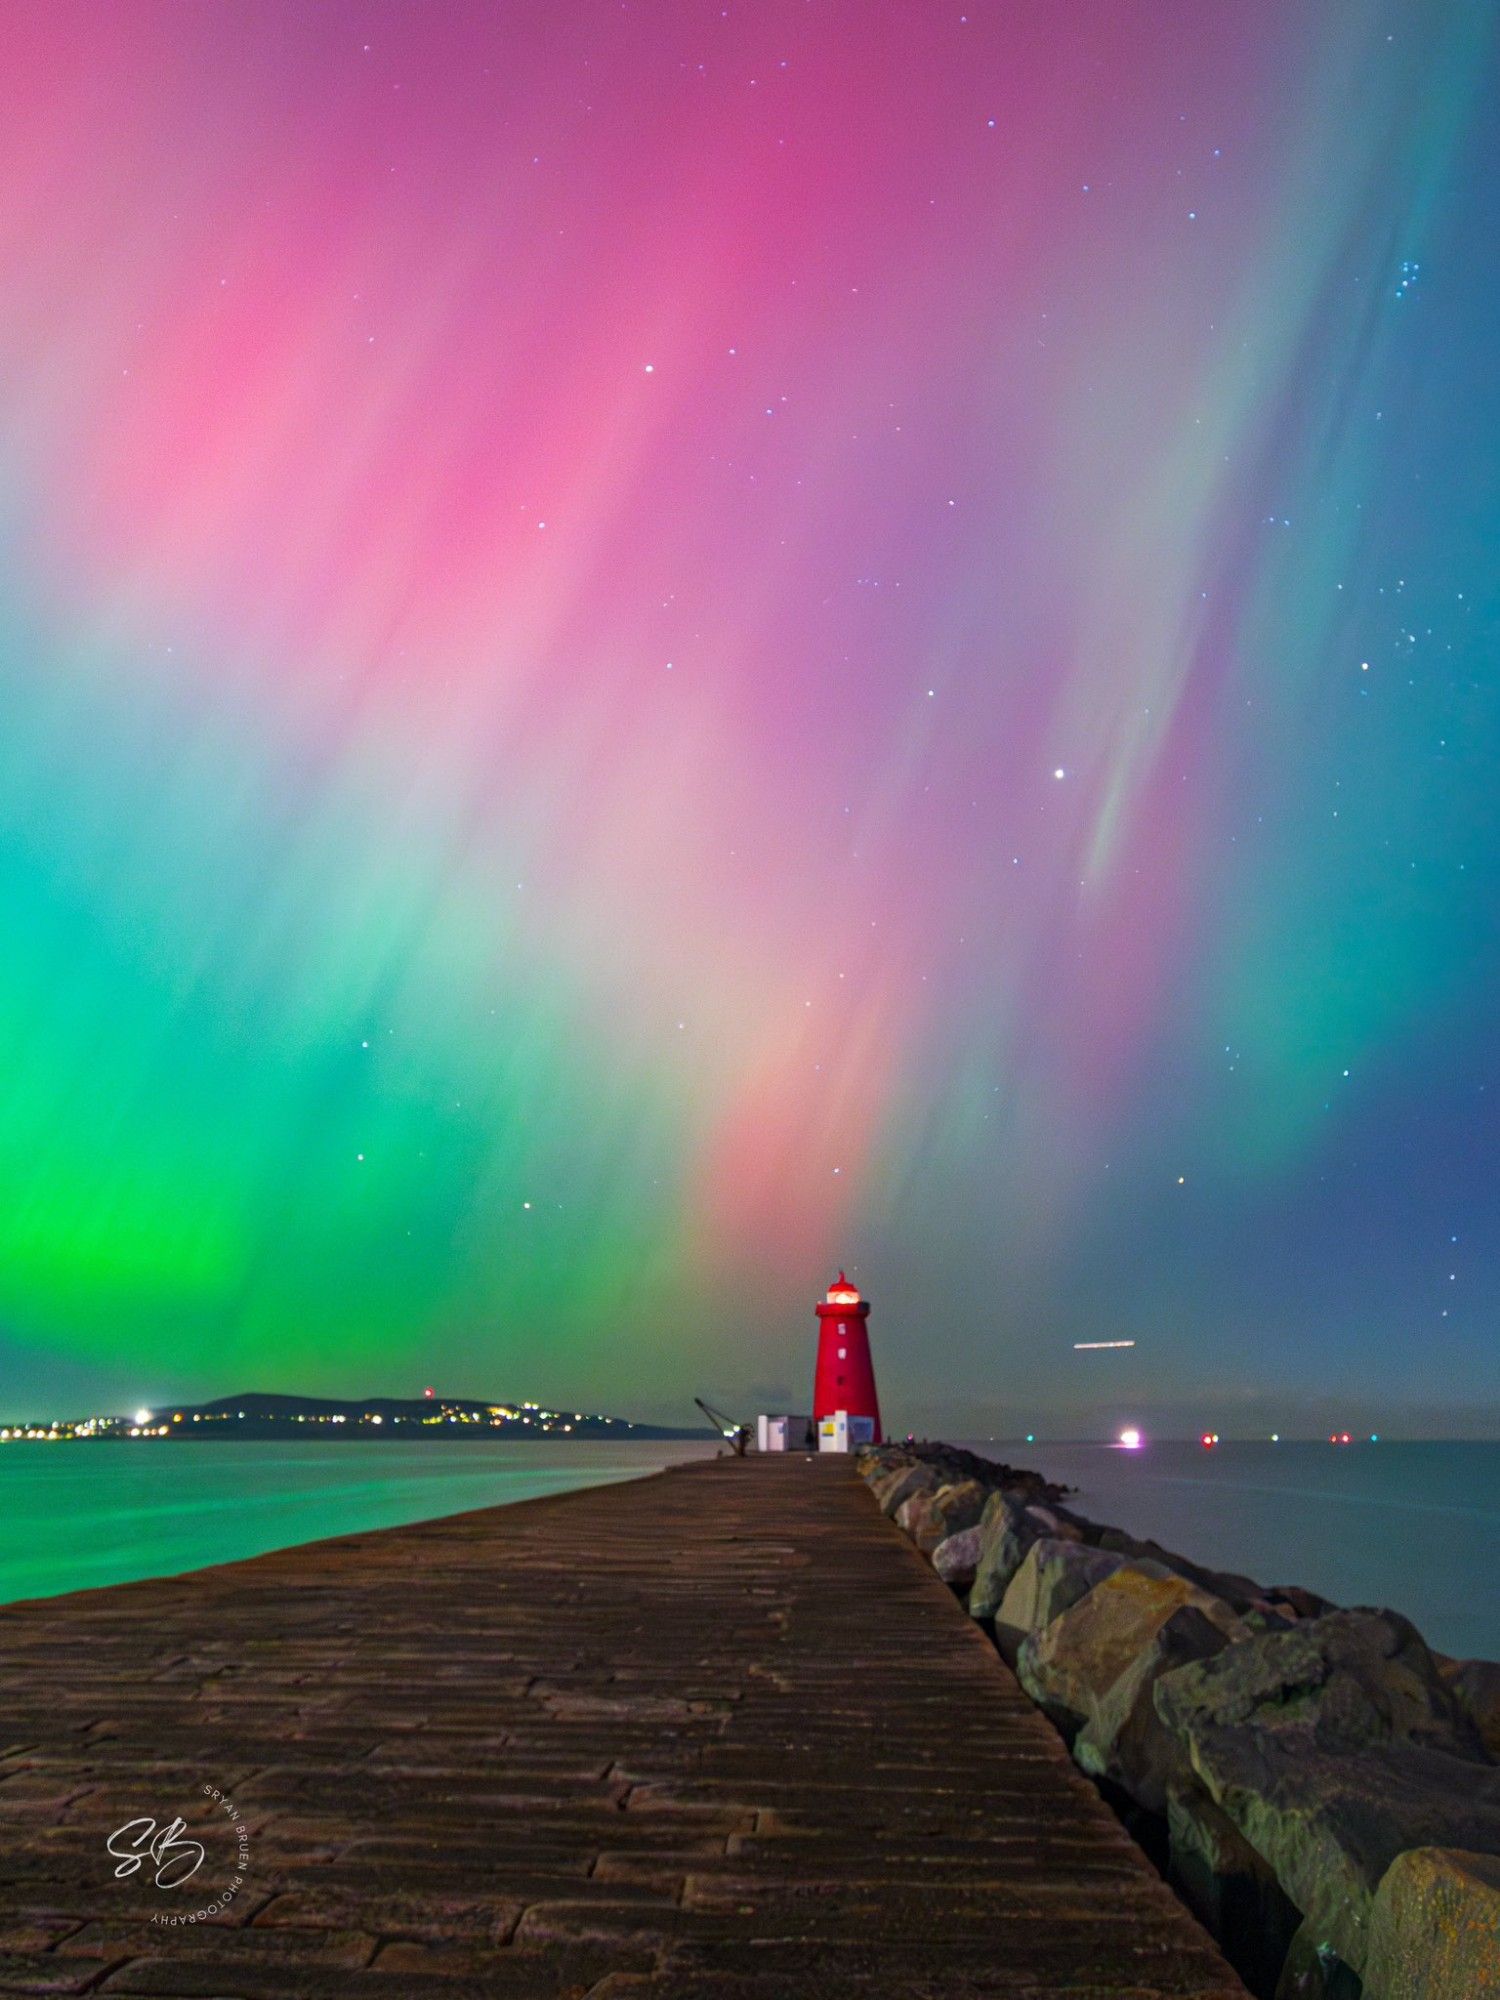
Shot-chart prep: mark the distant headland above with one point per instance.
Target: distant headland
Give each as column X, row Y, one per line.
column 430, row 1418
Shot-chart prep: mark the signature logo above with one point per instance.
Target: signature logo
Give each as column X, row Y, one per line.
column 167, row 1854
column 177, row 1860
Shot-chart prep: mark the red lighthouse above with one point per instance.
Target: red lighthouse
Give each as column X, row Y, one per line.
column 845, row 1379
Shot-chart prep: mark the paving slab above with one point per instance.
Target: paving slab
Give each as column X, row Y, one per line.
column 720, row 1732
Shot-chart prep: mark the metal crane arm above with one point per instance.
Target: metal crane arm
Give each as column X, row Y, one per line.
column 737, row 1434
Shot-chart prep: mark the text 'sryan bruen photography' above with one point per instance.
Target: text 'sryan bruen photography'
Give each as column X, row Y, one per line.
column 749, row 947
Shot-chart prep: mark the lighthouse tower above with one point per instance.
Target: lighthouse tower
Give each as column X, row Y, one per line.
column 845, row 1379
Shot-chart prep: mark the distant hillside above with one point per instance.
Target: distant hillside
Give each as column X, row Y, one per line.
column 436, row 1419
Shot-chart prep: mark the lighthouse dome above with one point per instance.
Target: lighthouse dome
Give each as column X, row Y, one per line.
column 842, row 1293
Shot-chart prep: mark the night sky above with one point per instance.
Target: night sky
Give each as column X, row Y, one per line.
column 646, row 649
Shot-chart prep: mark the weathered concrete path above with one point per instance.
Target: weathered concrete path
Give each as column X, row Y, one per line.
column 718, row 1733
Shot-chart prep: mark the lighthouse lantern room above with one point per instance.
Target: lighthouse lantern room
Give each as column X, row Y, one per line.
column 846, row 1409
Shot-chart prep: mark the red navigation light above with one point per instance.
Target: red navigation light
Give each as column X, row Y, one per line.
column 1346, row 1439
column 1210, row 1439
column 429, row 1392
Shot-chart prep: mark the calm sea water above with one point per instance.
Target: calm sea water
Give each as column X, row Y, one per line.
column 1412, row 1526
column 72, row 1516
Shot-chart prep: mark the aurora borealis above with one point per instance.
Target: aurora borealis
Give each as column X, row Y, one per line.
column 647, row 649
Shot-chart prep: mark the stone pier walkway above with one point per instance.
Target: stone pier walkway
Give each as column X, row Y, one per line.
column 718, row 1733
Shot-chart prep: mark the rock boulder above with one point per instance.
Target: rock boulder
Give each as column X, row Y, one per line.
column 902, row 1484
column 1346, row 1681
column 930, row 1517
column 1005, row 1534
column 1230, row 1888
column 917, row 1517
column 1053, row 1576
column 1333, row 1747
column 1092, row 1669
column 1299, row 1603
column 1240, row 1593
column 1435, row 1927
column 956, row 1559
column 1122, row 1739
column 1475, row 1686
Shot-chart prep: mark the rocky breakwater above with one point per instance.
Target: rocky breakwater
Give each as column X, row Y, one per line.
column 1320, row 1787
